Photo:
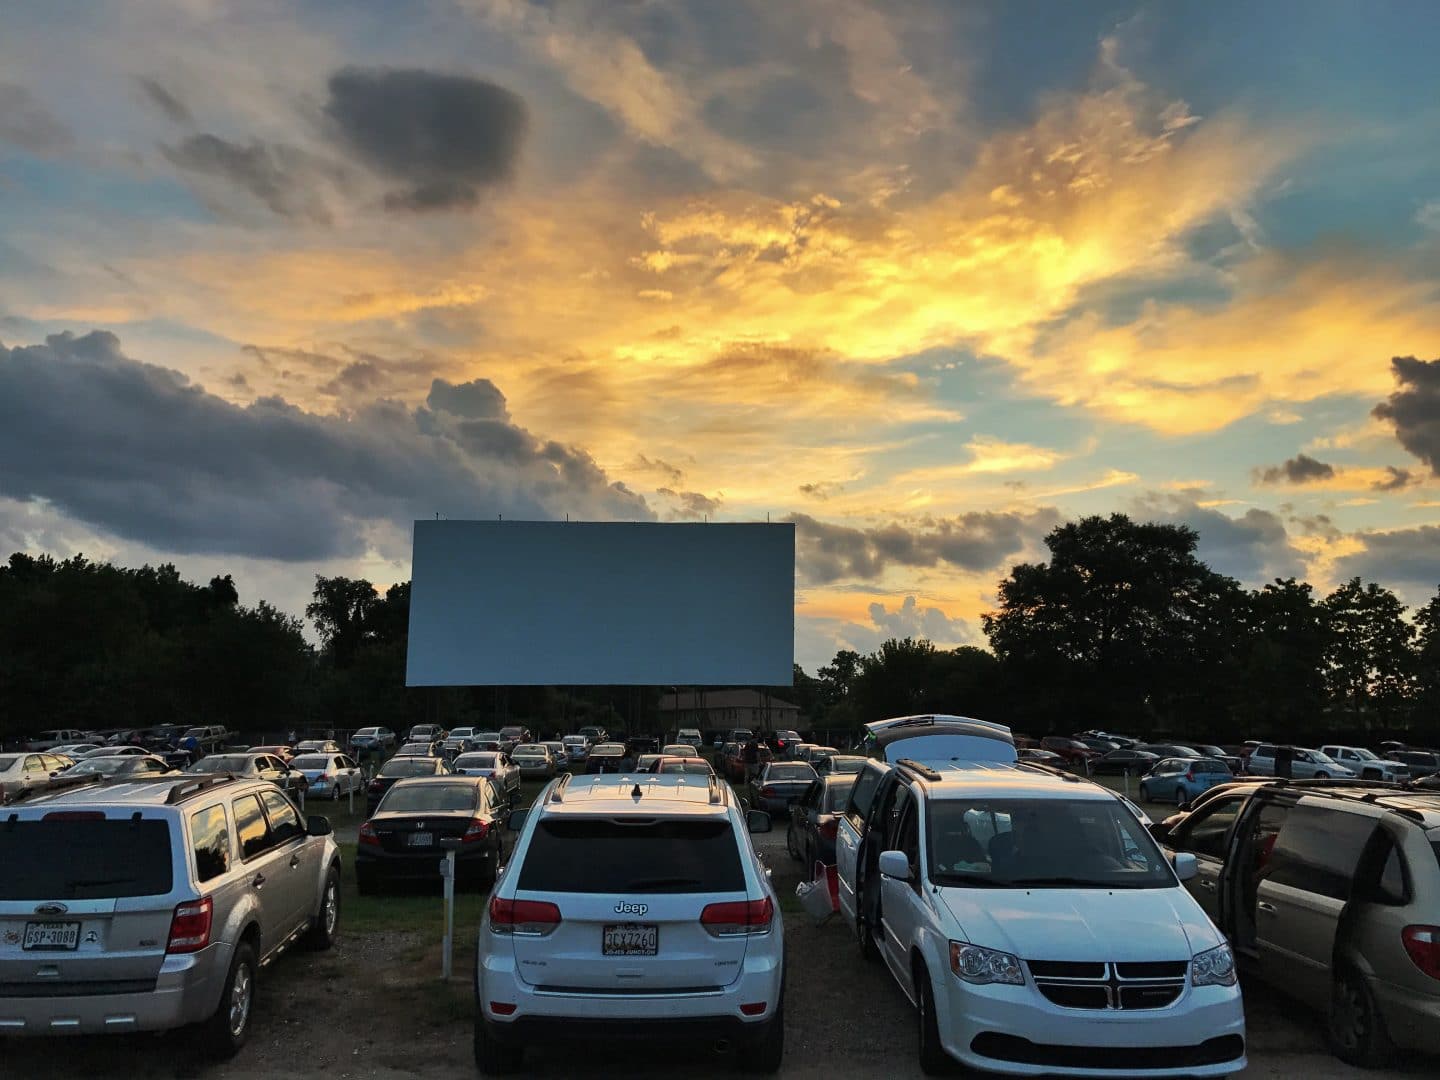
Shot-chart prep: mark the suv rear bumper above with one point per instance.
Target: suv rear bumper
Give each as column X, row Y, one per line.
column 585, row 1028
column 186, row 992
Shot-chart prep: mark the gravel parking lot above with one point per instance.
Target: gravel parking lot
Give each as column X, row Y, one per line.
column 374, row 1006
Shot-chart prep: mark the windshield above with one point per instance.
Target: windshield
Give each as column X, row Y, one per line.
column 790, row 772
column 1042, row 843
column 105, row 766
column 311, row 761
column 415, row 766
column 368, row 731
column 427, row 798
column 475, row 761
column 1364, row 755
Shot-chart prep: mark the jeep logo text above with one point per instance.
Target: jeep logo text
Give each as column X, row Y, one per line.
column 625, row 908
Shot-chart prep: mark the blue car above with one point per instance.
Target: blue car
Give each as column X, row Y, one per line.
column 1179, row 780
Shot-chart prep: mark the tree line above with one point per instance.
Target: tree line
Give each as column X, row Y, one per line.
column 1122, row 627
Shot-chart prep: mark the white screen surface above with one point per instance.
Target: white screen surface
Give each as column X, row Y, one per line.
column 601, row 603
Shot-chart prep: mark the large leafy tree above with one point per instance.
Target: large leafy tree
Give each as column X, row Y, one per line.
column 1369, row 665
column 1427, row 664
column 1287, row 639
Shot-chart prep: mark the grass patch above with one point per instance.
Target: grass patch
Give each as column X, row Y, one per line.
column 422, row 912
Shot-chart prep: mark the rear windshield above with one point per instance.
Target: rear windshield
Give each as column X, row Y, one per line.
column 688, row 767
column 310, row 761
column 840, row 764
column 83, row 860
column 608, row 748
column 428, row 797
column 6, row 762
column 529, row 748
column 790, row 772
column 632, row 855
column 836, row 796
column 407, row 767
column 474, row 761
column 223, row 763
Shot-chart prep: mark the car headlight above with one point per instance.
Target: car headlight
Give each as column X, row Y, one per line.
column 1214, row 967
column 980, row 966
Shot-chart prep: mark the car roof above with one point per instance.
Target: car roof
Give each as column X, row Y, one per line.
column 967, row 779
column 138, row 791
column 609, row 794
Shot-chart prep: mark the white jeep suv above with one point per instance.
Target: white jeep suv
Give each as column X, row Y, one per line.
column 1038, row 928
column 632, row 907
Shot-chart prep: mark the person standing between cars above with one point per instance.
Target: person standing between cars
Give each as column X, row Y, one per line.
column 751, row 757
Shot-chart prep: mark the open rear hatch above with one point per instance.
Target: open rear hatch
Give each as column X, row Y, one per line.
column 938, row 737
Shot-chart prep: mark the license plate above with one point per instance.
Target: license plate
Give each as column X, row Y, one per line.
column 51, row 935
column 631, row 939
column 421, row 839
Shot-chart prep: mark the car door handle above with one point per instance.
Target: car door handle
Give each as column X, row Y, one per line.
column 1268, row 909
column 258, row 880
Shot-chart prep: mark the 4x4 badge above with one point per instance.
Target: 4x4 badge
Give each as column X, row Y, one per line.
column 626, row 908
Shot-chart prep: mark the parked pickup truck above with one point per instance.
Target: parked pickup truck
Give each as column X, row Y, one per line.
column 210, row 738
column 1328, row 890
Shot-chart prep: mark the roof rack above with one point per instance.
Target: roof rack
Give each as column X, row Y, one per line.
column 1063, row 774
column 919, row 767
column 195, row 785
column 716, row 795
column 557, row 793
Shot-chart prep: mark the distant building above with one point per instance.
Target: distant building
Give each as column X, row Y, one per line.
column 721, row 710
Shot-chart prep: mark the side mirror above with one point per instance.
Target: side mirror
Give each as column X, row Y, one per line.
column 757, row 821
column 1184, row 807
column 317, row 825
column 894, row 864
column 1160, row 831
column 515, row 821
column 1185, row 865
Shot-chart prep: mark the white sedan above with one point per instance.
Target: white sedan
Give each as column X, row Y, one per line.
column 495, row 765
column 329, row 774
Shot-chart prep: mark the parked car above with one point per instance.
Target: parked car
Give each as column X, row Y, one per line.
column 797, row 751
column 781, row 739
column 494, row 765
column 1165, row 750
column 607, row 757
column 403, row 839
column 126, row 765
column 595, row 734
column 815, row 820
column 1117, row 762
column 433, row 748
column 24, row 774
column 815, row 754
column 577, row 747
column 1021, row 911
column 317, row 746
column 280, row 750
column 839, row 764
column 1366, row 764
column 692, row 737
column 679, row 750
column 1181, row 779
column 48, row 740
column 641, row 744
column 779, row 785
column 209, row 737
column 1040, row 757
column 730, row 763
column 329, row 775
column 253, row 766
column 534, row 761
column 739, row 735
column 513, row 735
column 1329, row 892
column 1304, row 765
column 372, row 740
column 646, row 762
column 426, row 733
column 558, row 752
column 674, row 894
column 1234, row 762
column 681, row 766
column 1100, row 746
column 114, row 751
column 140, row 901
column 1072, row 750
column 75, row 750
column 457, row 741
column 402, row 768
column 1420, row 762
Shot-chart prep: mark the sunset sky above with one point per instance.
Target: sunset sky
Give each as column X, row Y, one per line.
column 926, row 278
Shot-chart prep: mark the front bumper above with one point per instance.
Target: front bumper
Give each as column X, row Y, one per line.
column 186, row 991
column 1015, row 1031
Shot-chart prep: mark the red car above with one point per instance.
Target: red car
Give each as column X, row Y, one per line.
column 1072, row 750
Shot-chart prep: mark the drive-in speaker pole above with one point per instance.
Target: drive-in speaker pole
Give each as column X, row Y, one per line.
column 447, row 874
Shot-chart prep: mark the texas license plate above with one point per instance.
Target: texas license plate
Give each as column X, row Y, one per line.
column 422, row 839
column 51, row 935
column 631, row 939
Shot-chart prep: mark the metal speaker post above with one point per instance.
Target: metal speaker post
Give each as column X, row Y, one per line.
column 447, row 873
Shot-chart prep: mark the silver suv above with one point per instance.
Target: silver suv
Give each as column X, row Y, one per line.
column 632, row 908
column 149, row 904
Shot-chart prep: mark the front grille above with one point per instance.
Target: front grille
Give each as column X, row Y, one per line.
column 1130, row 986
column 1216, row 1051
column 88, row 988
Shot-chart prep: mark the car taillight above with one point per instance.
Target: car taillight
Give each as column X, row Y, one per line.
column 1190, row 776
column 767, row 791
column 533, row 918
column 368, row 835
column 1423, row 945
column 323, row 776
column 829, row 829
column 376, row 785
column 738, row 917
column 190, row 926
column 478, row 830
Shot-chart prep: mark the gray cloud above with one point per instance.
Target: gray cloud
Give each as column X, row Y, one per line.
column 28, row 124
column 1397, row 479
column 140, row 452
column 1301, row 469
column 1255, row 547
column 165, row 101
column 692, row 505
column 444, row 137
column 1408, row 559
column 975, row 541
column 821, row 490
column 672, row 473
column 282, row 177
column 1414, row 409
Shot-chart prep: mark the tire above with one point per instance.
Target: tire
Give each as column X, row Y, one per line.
column 327, row 920
column 1179, row 795
column 225, row 1032
column 492, row 1058
column 790, row 848
column 765, row 1056
column 1322, row 776
column 934, row 1061
column 1354, row 1027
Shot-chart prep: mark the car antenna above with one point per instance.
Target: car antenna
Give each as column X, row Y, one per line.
column 635, row 792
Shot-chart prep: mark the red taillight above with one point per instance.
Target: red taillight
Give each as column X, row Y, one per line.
column 1423, row 945
column 368, row 835
column 753, row 1008
column 767, row 791
column 323, row 776
column 190, row 926
column 527, row 917
column 1190, row 776
column 502, row 1008
column 478, row 830
column 738, row 917
column 829, row 829
column 376, row 785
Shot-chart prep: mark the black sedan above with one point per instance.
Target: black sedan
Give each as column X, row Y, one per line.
column 780, row 785
column 403, row 840
column 1116, row 762
column 815, row 820
column 402, row 768
column 608, row 758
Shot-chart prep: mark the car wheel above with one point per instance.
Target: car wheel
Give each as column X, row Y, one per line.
column 765, row 1055
column 1322, row 776
column 790, row 847
column 933, row 1059
column 491, row 1058
column 1355, row 1029
column 225, row 1032
column 1179, row 796
column 327, row 920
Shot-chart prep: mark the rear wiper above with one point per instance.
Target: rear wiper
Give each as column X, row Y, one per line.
column 660, row 883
